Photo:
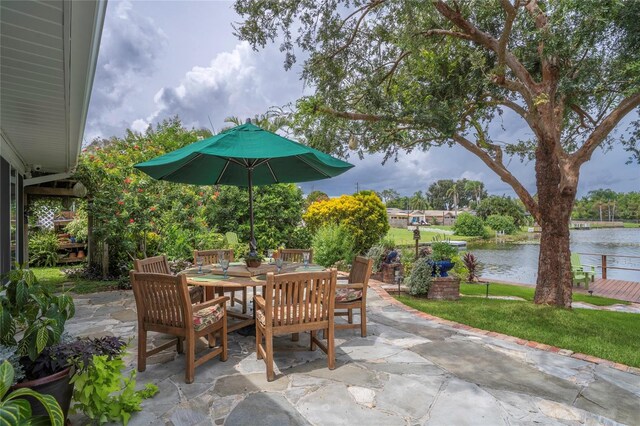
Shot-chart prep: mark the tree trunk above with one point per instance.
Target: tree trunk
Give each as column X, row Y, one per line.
column 554, row 284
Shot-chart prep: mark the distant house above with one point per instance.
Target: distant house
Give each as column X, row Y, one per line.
column 402, row 218
column 398, row 218
column 438, row 217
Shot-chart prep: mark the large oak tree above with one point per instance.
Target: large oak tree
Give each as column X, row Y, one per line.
column 398, row 75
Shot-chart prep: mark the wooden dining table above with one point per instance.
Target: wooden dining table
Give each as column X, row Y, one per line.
column 239, row 276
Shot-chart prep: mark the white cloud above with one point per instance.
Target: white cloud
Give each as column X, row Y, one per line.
column 241, row 83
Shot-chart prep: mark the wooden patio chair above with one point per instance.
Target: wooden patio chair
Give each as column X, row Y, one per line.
column 160, row 265
column 353, row 294
column 210, row 257
column 294, row 303
column 295, row 255
column 580, row 272
column 163, row 306
column 231, row 237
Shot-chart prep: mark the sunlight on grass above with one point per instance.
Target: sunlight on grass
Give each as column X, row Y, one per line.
column 57, row 280
column 604, row 334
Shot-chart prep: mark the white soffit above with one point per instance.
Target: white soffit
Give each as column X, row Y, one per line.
column 48, row 55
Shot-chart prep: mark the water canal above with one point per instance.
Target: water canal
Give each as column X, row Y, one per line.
column 519, row 262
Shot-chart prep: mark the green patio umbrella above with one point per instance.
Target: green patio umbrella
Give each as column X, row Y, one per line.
column 245, row 156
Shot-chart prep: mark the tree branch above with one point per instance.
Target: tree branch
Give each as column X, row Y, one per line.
column 501, row 171
column 603, row 129
column 366, row 9
column 510, row 10
column 486, row 40
column 356, row 116
column 437, row 31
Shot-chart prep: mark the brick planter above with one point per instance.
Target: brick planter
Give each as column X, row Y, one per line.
column 388, row 273
column 444, row 288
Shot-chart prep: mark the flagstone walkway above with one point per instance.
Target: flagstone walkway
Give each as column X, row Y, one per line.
column 409, row 370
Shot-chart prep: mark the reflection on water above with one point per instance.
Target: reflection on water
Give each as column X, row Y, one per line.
column 519, row 262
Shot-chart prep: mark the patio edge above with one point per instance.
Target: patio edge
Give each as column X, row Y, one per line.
column 377, row 287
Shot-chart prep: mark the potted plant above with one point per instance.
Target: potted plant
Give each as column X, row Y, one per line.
column 441, row 254
column 32, row 319
column 253, row 259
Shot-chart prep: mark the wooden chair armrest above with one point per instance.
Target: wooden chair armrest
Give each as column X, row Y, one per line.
column 208, row 303
column 259, row 301
column 356, row 286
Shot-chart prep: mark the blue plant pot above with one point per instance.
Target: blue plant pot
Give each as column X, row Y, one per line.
column 441, row 267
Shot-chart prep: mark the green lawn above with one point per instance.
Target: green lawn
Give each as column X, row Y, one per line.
column 59, row 281
column 528, row 292
column 604, row 334
column 405, row 237
column 631, row 225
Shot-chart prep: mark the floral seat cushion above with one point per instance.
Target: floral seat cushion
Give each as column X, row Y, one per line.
column 262, row 319
column 207, row 316
column 348, row 295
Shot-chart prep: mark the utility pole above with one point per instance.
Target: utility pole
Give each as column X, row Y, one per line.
column 357, row 188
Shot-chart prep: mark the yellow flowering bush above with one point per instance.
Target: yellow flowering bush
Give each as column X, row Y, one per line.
column 363, row 214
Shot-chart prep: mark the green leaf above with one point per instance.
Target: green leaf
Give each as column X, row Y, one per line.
column 41, row 339
column 49, row 402
column 5, row 322
column 13, row 412
column 6, row 377
column 22, row 294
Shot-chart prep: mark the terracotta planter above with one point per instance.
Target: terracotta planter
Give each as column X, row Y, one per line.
column 56, row 385
column 253, row 263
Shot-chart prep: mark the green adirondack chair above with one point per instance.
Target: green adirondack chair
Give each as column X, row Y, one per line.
column 581, row 273
column 231, row 237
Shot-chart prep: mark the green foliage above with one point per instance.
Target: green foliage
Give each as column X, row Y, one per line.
column 8, row 353
column 376, row 252
column 43, row 248
column 442, row 250
column 301, row 237
column 315, row 196
column 501, row 223
column 363, row 214
column 332, row 244
column 469, row 225
column 420, row 279
column 277, row 214
column 104, row 394
column 79, row 226
column 503, row 206
column 134, row 213
column 31, row 318
column 472, row 265
column 15, row 410
column 607, row 205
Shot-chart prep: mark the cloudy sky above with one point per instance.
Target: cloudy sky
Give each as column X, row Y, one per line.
column 159, row 59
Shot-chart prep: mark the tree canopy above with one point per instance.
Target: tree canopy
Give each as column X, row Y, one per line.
column 395, row 75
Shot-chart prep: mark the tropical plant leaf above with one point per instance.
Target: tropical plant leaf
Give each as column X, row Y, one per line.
column 6, row 377
column 14, row 412
column 48, row 402
column 22, row 293
column 5, row 322
column 41, row 339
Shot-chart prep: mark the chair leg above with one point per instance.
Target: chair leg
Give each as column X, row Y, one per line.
column 233, row 297
column 191, row 359
column 312, row 346
column 295, row 337
column 269, row 350
column 225, row 354
column 211, row 339
column 142, row 349
column 331, row 348
column 179, row 345
column 350, row 316
column 244, row 300
column 258, row 342
column 363, row 320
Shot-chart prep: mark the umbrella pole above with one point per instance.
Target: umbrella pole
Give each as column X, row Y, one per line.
column 252, row 239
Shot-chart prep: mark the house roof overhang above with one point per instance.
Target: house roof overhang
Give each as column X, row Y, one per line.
column 48, row 56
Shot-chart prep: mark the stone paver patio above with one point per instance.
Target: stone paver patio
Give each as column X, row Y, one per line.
column 408, row 371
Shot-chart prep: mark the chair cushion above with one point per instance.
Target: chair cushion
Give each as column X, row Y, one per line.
column 348, row 295
column 260, row 316
column 207, row 316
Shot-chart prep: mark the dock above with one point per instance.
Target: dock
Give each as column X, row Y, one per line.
column 616, row 289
